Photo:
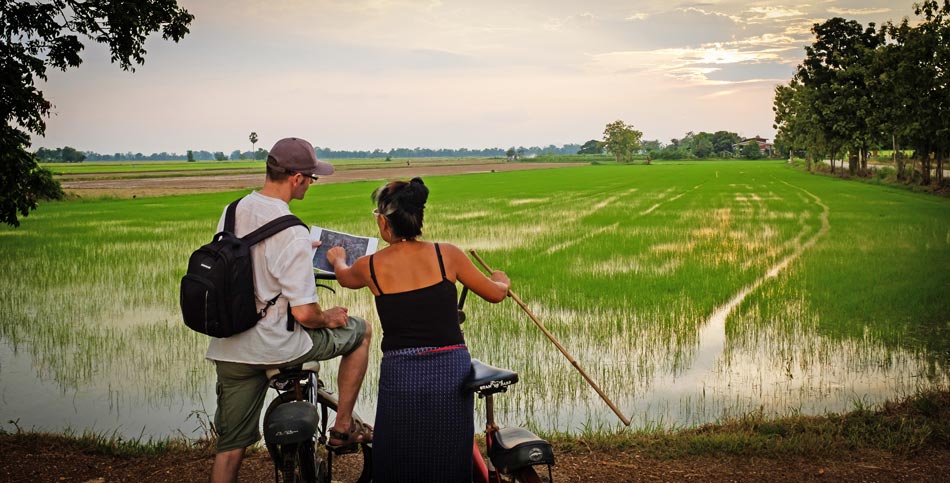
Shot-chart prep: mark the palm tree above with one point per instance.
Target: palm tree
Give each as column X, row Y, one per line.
column 253, row 139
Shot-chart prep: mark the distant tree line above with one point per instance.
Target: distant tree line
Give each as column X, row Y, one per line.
column 68, row 154
column 864, row 88
column 623, row 142
column 512, row 152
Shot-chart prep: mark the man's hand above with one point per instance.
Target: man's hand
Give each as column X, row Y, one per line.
column 334, row 318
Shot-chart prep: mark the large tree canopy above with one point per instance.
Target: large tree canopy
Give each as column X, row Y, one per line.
column 37, row 35
column 621, row 140
column 861, row 88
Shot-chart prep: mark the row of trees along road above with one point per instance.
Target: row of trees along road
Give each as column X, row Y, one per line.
column 35, row 36
column 863, row 88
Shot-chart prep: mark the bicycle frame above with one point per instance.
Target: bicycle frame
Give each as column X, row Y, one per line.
column 511, row 451
column 297, row 421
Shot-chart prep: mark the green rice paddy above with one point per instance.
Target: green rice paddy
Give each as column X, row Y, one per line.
column 688, row 291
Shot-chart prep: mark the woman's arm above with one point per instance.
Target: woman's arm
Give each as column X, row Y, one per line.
column 493, row 289
column 353, row 277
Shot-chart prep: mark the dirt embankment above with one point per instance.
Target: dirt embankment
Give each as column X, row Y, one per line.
column 190, row 182
column 32, row 458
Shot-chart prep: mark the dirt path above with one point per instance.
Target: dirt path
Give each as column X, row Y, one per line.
column 189, row 183
column 34, row 459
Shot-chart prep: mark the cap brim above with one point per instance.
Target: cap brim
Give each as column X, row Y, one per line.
column 323, row 169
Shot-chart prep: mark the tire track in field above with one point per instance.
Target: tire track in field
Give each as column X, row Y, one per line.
column 574, row 241
column 712, row 335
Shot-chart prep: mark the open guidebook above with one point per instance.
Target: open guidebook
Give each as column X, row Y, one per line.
column 355, row 246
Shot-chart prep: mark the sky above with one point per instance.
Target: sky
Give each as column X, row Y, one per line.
column 368, row 74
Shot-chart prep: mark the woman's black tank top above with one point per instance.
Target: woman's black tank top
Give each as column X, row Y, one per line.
column 424, row 317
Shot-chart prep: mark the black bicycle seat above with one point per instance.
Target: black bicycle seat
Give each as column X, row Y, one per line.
column 284, row 377
column 485, row 379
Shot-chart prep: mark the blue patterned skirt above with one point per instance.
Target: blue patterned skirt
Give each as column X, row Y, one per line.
column 424, row 424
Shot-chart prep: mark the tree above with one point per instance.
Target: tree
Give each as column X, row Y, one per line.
column 260, row 154
column 592, row 147
column 511, row 154
column 219, row 156
column 39, row 35
column 253, row 139
column 920, row 83
column 191, row 156
column 71, row 155
column 621, row 140
column 835, row 66
column 750, row 150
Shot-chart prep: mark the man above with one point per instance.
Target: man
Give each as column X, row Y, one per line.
column 282, row 265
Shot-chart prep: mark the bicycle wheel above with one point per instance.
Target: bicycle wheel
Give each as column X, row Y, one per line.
column 356, row 467
column 294, row 464
column 527, row 475
column 300, row 462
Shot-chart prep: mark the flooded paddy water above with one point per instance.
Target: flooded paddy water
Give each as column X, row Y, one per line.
column 688, row 292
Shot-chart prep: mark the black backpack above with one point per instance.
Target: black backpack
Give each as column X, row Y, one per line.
column 217, row 293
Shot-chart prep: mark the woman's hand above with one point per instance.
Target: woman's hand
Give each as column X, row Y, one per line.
column 499, row 276
column 336, row 254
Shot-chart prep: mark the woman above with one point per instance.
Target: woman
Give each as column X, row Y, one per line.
column 424, row 424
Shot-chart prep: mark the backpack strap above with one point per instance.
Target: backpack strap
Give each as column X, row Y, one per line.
column 271, row 228
column 230, row 216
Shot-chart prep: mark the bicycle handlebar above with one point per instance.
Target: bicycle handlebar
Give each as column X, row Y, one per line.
column 324, row 275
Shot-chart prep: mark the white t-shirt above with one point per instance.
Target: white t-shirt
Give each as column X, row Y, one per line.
column 282, row 264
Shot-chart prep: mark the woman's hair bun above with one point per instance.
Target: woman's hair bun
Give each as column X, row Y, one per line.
column 417, row 193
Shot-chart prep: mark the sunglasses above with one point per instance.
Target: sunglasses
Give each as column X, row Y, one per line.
column 311, row 176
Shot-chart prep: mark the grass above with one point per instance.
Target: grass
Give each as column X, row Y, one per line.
column 906, row 427
column 625, row 264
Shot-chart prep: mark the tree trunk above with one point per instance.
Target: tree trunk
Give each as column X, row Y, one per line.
column 925, row 165
column 898, row 158
column 939, row 173
column 864, row 160
column 852, row 163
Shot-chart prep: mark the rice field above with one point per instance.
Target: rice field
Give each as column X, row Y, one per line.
column 689, row 291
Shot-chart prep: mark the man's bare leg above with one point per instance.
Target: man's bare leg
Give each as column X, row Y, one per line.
column 226, row 466
column 349, row 381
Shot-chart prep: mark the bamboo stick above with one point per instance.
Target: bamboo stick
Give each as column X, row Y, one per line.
column 557, row 344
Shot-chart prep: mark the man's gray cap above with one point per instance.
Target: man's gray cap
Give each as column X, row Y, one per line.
column 297, row 155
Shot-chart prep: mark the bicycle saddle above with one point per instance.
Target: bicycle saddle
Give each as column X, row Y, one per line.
column 485, row 379
column 284, row 377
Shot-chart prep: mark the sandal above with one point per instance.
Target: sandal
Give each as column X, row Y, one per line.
column 359, row 433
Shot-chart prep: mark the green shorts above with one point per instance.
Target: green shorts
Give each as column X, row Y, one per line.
column 241, row 387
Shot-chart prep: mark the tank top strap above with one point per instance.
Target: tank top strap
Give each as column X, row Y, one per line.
column 372, row 274
column 438, row 253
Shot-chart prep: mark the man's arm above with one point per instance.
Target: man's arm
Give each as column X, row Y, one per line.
column 312, row 316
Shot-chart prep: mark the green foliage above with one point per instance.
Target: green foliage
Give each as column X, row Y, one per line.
column 65, row 154
column 592, row 147
column 621, row 140
column 39, row 35
column 860, row 88
column 191, row 156
column 750, row 150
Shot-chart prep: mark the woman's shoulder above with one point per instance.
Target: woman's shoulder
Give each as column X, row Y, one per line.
column 448, row 248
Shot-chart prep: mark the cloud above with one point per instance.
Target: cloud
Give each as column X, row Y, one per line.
column 858, row 11
column 766, row 14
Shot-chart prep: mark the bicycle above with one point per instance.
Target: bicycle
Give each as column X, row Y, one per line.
column 297, row 421
column 514, row 452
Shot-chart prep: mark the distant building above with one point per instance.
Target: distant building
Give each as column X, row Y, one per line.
column 765, row 147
